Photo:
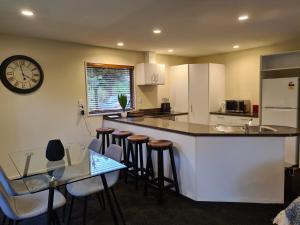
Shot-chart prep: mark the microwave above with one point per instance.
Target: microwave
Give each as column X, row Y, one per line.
column 241, row 106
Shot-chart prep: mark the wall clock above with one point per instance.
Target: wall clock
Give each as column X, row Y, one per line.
column 21, row 74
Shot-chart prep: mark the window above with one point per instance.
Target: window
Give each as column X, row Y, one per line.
column 104, row 84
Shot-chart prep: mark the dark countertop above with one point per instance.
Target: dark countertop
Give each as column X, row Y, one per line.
column 167, row 114
column 235, row 114
column 193, row 129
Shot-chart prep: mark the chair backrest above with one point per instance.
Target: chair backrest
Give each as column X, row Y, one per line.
column 7, row 203
column 95, row 145
column 114, row 152
column 5, row 183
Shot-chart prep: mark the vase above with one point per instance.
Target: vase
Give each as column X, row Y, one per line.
column 55, row 150
column 123, row 114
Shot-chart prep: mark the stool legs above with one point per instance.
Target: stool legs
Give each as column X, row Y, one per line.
column 136, row 166
column 174, row 169
column 159, row 181
column 141, row 159
column 124, row 150
column 103, row 144
column 148, row 168
column 107, row 140
column 160, row 168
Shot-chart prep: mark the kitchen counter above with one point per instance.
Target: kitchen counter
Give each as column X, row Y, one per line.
column 235, row 114
column 193, row 129
column 218, row 166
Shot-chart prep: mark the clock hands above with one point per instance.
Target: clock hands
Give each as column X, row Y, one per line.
column 23, row 73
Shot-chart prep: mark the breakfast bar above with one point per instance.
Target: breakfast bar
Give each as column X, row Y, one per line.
column 220, row 165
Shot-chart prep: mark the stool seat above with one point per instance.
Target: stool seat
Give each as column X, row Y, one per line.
column 121, row 133
column 160, row 144
column 138, row 138
column 105, row 130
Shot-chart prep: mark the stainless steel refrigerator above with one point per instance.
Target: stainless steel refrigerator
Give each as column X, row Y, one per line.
column 280, row 102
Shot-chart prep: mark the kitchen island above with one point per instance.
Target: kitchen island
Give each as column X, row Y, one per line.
column 212, row 165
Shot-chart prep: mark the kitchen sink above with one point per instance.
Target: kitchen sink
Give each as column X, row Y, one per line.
column 229, row 129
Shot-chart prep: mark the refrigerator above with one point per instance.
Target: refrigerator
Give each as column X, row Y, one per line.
column 280, row 102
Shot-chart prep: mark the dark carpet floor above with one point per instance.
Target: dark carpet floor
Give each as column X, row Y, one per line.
column 176, row 210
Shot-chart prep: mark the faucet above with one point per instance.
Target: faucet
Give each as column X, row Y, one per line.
column 247, row 125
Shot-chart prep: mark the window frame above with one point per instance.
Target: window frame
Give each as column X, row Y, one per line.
column 110, row 66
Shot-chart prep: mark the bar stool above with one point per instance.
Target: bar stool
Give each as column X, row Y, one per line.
column 121, row 136
column 105, row 132
column 137, row 141
column 160, row 146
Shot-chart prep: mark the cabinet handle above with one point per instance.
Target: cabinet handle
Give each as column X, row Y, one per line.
column 191, row 108
column 220, row 117
column 156, row 78
column 153, row 78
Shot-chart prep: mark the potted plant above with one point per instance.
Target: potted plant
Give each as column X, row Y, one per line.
column 123, row 103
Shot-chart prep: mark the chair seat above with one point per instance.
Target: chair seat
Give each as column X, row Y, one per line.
column 121, row 133
column 92, row 185
column 31, row 205
column 138, row 138
column 105, row 130
column 160, row 144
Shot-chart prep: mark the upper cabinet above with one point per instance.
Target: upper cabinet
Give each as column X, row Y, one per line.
column 150, row 74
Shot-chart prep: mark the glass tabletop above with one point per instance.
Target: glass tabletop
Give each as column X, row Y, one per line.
column 79, row 163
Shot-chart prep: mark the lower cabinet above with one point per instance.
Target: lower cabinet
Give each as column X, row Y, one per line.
column 232, row 120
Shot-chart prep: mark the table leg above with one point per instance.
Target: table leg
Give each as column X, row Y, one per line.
column 50, row 205
column 112, row 208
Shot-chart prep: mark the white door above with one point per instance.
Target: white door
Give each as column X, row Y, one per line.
column 280, row 92
column 179, row 88
column 284, row 117
column 198, row 93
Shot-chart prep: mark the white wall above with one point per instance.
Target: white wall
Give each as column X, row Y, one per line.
column 242, row 69
column 29, row 121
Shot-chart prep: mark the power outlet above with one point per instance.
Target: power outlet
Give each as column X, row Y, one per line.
column 81, row 107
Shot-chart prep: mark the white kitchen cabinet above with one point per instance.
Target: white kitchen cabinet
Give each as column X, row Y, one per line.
column 199, row 93
column 197, row 89
column 179, row 88
column 150, row 74
column 232, row 120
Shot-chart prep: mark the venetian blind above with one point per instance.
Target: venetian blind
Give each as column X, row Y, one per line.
column 105, row 83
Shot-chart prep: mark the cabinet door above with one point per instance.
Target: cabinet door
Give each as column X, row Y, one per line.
column 198, row 93
column 219, row 119
column 179, row 88
column 160, row 74
column 150, row 73
column 216, row 86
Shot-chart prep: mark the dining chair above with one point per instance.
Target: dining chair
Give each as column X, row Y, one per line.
column 95, row 145
column 94, row 185
column 12, row 187
column 22, row 207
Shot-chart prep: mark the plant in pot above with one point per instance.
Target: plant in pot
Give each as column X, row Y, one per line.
column 123, row 103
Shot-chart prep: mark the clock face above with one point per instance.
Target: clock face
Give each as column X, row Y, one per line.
column 21, row 74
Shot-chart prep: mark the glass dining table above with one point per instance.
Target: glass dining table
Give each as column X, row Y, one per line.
column 79, row 163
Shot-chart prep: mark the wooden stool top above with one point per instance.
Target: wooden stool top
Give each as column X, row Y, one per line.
column 160, row 144
column 138, row 138
column 121, row 133
column 105, row 130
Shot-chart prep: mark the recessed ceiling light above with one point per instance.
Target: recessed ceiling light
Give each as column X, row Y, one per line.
column 243, row 17
column 157, row 31
column 120, row 44
column 170, row 50
column 236, row 46
column 27, row 13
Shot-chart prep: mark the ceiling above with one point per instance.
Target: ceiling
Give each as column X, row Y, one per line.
column 190, row 27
